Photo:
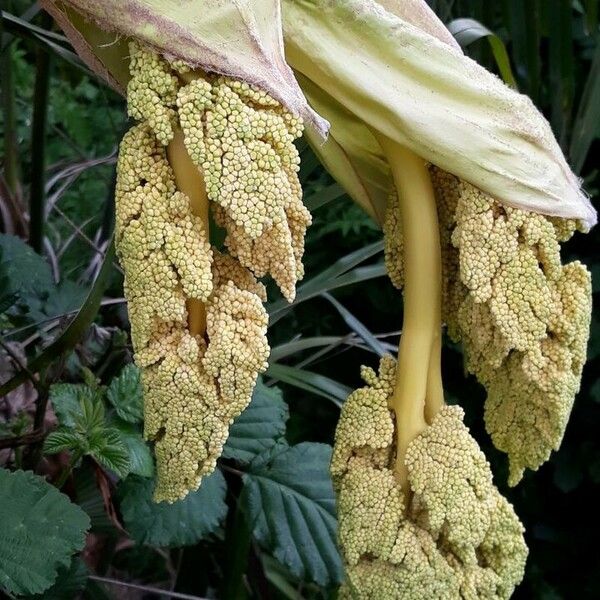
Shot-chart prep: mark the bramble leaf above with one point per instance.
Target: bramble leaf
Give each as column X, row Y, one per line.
column 40, row 530
column 178, row 524
column 289, row 498
column 259, row 427
column 125, row 394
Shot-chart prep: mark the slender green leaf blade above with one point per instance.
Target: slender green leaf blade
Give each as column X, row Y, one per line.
column 467, row 31
column 586, row 126
column 310, row 382
column 357, row 326
column 325, row 196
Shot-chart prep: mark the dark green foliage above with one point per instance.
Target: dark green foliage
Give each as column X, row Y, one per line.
column 289, row 500
column 259, row 427
column 70, row 581
column 84, row 430
column 181, row 523
column 40, row 529
column 125, row 394
column 272, row 479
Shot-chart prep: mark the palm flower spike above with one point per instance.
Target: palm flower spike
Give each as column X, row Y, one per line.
column 474, row 196
column 217, row 112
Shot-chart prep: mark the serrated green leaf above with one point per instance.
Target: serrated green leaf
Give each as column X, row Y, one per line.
column 107, row 447
column 125, row 394
column 289, row 499
column 65, row 298
column 66, row 398
column 90, row 499
column 26, row 272
column 91, row 416
column 69, row 582
column 259, row 427
column 178, row 524
column 140, row 456
column 60, row 440
column 40, row 530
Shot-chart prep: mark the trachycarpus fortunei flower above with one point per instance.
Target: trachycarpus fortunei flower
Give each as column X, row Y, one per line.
column 474, row 195
column 212, row 133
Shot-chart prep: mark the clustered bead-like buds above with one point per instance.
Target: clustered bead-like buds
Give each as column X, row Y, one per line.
column 522, row 316
column 452, row 535
column 242, row 143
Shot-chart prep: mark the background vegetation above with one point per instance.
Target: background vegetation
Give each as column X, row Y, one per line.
column 262, row 526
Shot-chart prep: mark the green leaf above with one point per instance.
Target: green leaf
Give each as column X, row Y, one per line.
column 324, row 196
column 66, row 401
column 289, row 499
column 140, row 456
column 74, row 330
column 259, row 427
column 329, row 279
column 26, row 273
column 40, row 530
column 125, row 394
column 60, row 440
column 107, row 447
column 89, row 498
column 357, row 326
column 181, row 523
column 467, row 31
column 69, row 582
column 310, row 382
column 586, row 126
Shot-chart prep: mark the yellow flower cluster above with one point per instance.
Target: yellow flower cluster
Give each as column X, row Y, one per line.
column 196, row 383
column 453, row 536
column 522, row 317
column 393, row 242
column 243, row 141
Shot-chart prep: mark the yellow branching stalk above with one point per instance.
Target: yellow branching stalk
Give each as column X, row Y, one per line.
column 422, row 278
column 197, row 319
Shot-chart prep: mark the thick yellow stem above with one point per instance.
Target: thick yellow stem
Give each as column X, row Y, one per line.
column 434, row 398
column 189, row 180
column 422, row 299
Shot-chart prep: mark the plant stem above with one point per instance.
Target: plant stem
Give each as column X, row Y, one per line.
column 189, row 180
column 75, row 456
column 38, row 146
column 11, row 147
column 419, row 346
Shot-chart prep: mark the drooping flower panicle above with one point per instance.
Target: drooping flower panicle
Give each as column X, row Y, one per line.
column 451, row 535
column 240, row 142
column 522, row 316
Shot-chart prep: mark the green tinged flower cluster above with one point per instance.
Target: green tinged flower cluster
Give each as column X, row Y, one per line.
column 195, row 382
column 451, row 536
column 521, row 315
